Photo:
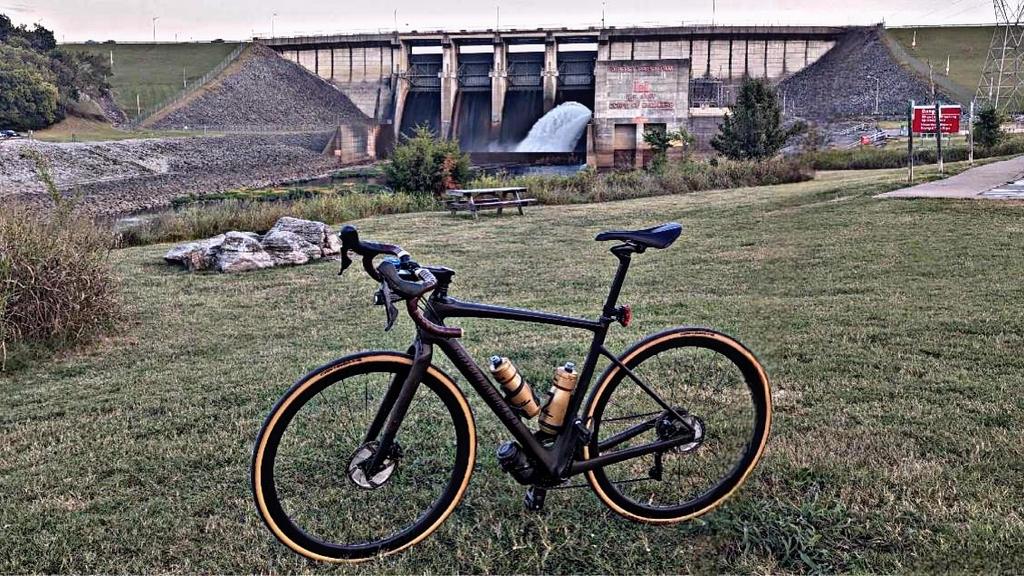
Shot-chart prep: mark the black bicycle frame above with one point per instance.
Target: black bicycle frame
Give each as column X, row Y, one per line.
column 557, row 461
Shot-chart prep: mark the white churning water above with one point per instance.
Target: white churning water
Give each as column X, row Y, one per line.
column 558, row 130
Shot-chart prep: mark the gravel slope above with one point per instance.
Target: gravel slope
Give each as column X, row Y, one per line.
column 119, row 177
column 262, row 89
column 840, row 84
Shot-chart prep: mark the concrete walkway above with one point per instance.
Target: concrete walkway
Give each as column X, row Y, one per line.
column 981, row 183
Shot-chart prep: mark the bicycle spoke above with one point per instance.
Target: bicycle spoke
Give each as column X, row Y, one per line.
column 312, row 466
column 697, row 383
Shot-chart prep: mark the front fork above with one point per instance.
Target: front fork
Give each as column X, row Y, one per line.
column 395, row 405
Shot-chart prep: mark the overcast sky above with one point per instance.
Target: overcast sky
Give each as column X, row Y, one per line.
column 123, row 20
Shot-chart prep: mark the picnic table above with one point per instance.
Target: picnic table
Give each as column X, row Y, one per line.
column 473, row 200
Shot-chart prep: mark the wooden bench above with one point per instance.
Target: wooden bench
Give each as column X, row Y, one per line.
column 473, row 200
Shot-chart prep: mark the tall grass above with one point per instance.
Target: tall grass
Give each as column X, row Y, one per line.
column 867, row 158
column 677, row 178
column 56, row 284
column 205, row 220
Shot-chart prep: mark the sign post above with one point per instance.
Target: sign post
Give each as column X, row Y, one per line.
column 937, row 119
column 970, row 135
column 910, row 140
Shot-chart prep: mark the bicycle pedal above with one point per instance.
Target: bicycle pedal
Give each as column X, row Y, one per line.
column 534, row 499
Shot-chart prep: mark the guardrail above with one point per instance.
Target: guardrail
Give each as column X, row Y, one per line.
column 148, row 113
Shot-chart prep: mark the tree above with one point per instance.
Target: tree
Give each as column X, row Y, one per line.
column 987, row 131
column 6, row 27
column 754, row 130
column 424, row 164
column 33, row 67
column 661, row 140
column 27, row 100
column 41, row 39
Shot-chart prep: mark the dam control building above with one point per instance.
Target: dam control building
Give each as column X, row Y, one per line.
column 487, row 88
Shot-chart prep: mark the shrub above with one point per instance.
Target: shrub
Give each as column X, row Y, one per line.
column 423, row 164
column 57, row 285
column 753, row 130
column 27, row 100
column 661, row 140
column 987, row 128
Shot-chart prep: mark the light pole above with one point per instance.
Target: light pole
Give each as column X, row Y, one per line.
column 877, row 88
column 155, row 18
column 272, row 16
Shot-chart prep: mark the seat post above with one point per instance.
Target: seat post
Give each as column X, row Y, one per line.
column 624, row 253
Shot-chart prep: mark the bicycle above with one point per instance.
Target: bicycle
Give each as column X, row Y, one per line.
column 367, row 455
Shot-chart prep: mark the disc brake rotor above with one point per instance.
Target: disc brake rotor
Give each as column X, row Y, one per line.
column 667, row 429
column 358, row 474
column 698, row 434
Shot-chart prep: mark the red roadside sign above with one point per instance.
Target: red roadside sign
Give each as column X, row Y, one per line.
column 924, row 119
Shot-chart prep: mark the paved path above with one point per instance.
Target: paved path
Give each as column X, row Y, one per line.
column 996, row 181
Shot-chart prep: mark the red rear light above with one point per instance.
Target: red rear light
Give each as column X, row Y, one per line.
column 625, row 315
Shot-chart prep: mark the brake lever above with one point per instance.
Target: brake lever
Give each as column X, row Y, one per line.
column 345, row 262
column 386, row 298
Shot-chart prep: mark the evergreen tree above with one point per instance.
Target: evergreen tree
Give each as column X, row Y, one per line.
column 987, row 131
column 754, row 130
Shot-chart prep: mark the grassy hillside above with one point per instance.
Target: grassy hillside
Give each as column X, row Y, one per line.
column 154, row 71
column 966, row 46
column 891, row 330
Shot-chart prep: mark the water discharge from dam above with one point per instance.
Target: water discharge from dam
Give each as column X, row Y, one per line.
column 524, row 128
column 557, row 131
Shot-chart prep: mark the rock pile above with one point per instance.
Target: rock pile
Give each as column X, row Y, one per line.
column 841, row 84
column 290, row 242
column 262, row 89
column 111, row 178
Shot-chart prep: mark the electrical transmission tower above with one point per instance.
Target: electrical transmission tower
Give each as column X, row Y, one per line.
column 1002, row 78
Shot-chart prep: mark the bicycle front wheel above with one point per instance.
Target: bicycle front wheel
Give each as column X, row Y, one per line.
column 697, row 388
column 309, row 475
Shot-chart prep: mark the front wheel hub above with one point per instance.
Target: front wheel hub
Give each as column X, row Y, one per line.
column 371, row 480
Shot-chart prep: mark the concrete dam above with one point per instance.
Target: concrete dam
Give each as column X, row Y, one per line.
column 489, row 88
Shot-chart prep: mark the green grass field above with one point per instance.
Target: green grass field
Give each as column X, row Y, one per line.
column 154, row 71
column 966, row 47
column 891, row 331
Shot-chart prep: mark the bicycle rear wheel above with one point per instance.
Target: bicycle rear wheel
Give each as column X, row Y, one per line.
column 721, row 416
column 308, row 472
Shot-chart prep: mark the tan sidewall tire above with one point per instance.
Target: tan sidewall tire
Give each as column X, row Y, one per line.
column 597, row 397
column 385, row 359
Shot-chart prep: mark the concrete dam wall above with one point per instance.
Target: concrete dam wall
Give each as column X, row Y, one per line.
column 488, row 88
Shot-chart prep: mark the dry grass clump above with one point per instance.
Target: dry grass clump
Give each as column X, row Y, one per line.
column 56, row 284
column 678, row 178
column 206, row 220
column 868, row 158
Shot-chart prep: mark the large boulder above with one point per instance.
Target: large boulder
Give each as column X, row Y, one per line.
column 311, row 231
column 288, row 248
column 332, row 245
column 198, row 255
column 241, row 252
